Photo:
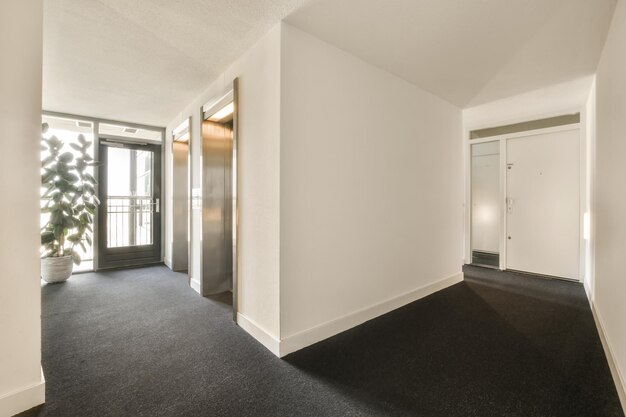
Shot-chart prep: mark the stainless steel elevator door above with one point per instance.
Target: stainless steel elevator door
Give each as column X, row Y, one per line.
column 217, row 196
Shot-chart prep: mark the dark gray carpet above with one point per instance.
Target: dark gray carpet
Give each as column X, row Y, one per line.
column 142, row 343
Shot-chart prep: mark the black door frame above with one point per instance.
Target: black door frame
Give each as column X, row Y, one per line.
column 129, row 256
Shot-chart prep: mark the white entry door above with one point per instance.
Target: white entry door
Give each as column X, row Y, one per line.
column 543, row 204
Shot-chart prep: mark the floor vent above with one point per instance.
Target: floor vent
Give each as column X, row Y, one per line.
column 490, row 259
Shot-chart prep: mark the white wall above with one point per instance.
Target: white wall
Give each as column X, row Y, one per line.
column 551, row 101
column 371, row 191
column 21, row 384
column 609, row 287
column 259, row 159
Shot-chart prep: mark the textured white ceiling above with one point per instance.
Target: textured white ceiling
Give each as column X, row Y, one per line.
column 467, row 51
column 142, row 61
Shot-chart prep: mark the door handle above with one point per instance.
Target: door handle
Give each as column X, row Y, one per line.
column 157, row 206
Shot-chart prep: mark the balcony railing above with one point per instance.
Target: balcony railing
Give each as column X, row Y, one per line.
column 129, row 221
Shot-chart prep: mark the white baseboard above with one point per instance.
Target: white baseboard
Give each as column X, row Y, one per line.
column 618, row 378
column 193, row 283
column 323, row 331
column 23, row 399
column 168, row 263
column 588, row 292
column 266, row 339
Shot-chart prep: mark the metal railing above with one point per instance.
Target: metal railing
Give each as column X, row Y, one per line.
column 129, row 221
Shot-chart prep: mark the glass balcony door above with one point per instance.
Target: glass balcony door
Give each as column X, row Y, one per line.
column 130, row 216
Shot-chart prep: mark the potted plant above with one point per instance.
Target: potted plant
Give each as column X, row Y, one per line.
column 71, row 203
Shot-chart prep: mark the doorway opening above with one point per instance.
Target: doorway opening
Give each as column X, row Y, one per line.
column 214, row 200
column 130, row 193
column 525, row 199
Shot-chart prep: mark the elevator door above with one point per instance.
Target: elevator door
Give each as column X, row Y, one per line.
column 217, row 203
column 543, row 204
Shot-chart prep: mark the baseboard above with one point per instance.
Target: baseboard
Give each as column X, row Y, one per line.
column 588, row 292
column 195, row 285
column 23, row 399
column 266, row 339
column 618, row 378
column 323, row 331
column 168, row 263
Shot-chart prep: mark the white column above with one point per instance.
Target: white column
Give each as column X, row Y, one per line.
column 21, row 382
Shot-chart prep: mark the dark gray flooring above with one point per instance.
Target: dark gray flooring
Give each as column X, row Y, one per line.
column 142, row 343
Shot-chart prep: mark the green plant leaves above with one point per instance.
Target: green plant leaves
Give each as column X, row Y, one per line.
column 70, row 177
column 90, row 207
column 90, row 178
column 88, row 188
column 86, row 218
column 75, row 258
column 62, row 185
column 47, row 160
column 70, row 195
column 47, row 237
column 75, row 238
column 66, row 157
column 48, row 176
column 53, row 142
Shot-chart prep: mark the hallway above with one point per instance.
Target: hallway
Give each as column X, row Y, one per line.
column 142, row 343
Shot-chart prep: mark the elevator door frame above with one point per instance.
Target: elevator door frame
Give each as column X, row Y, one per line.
column 503, row 190
column 229, row 95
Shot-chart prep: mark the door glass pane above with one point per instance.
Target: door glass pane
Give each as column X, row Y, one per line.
column 485, row 188
column 143, row 185
column 143, row 192
column 129, row 197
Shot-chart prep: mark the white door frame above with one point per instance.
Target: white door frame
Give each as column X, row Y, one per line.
column 502, row 139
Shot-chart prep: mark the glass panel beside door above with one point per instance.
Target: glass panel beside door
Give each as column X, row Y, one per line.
column 485, row 200
column 130, row 194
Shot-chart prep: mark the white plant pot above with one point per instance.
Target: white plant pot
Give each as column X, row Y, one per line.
column 56, row 269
